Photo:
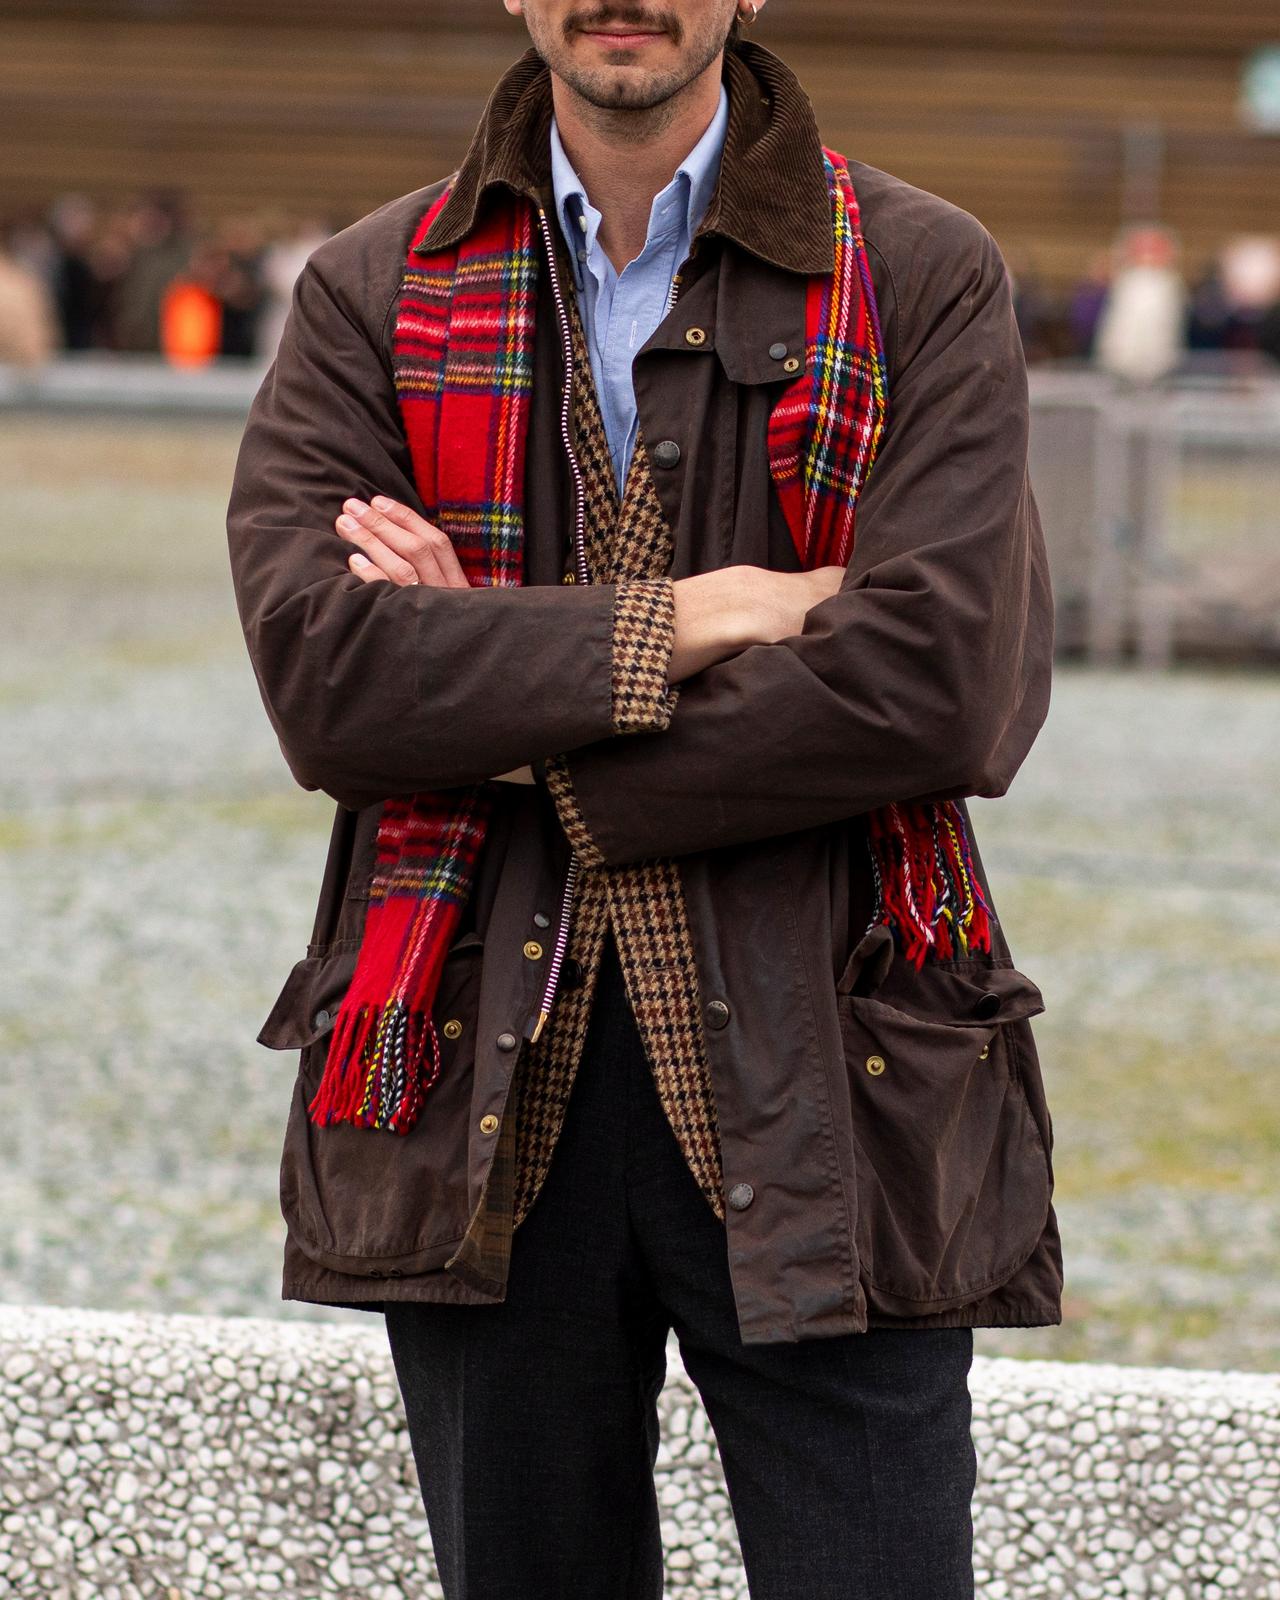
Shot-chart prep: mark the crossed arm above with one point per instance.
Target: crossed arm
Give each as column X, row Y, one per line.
column 921, row 671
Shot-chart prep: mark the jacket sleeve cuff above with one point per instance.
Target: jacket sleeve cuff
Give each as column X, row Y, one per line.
column 644, row 635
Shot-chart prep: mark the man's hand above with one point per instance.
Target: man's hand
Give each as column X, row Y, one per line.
column 722, row 612
column 396, row 545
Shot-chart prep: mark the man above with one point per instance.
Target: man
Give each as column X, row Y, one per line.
column 656, row 982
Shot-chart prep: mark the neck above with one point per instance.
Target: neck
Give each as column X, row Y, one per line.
column 624, row 157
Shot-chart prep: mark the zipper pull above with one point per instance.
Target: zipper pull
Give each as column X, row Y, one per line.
column 533, row 1028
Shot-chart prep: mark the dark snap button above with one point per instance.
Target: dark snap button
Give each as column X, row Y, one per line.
column 666, row 453
column 506, row 1041
column 717, row 1013
column 987, row 1005
column 541, row 919
column 741, row 1196
column 322, row 1019
column 777, row 351
column 571, row 974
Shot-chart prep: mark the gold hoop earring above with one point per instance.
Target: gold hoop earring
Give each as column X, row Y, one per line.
column 755, row 11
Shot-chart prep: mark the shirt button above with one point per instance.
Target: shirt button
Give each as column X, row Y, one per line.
column 582, row 221
column 717, row 1013
column 777, row 351
column 488, row 1123
column 666, row 453
column 741, row 1196
column 507, row 1041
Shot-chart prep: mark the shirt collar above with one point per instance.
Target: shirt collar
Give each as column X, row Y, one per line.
column 694, row 179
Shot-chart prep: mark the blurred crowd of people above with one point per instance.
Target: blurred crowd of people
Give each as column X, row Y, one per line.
column 143, row 278
column 1137, row 316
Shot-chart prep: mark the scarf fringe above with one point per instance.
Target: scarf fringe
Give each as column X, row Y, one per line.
column 381, row 1062
column 927, row 888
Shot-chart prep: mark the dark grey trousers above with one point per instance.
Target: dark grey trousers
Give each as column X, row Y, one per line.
column 849, row 1462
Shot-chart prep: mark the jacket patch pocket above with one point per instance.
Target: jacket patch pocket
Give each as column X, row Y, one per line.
column 361, row 1200
column 953, row 1179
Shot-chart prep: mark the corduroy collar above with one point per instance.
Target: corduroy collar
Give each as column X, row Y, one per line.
column 771, row 196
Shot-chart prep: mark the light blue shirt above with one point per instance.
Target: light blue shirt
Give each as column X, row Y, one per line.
column 621, row 311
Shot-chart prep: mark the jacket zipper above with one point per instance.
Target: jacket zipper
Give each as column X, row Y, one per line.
column 534, row 1026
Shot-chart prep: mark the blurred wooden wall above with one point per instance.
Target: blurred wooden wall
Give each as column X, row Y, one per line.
column 1018, row 110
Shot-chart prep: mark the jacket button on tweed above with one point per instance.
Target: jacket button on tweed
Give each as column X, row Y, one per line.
column 506, row 1041
column 666, row 453
column 987, row 1005
column 717, row 1013
column 741, row 1196
column 571, row 974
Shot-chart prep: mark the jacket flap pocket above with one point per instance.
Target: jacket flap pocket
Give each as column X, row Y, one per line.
column 307, row 1007
column 976, row 994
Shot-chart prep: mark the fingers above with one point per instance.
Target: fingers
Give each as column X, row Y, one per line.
column 403, row 545
column 365, row 569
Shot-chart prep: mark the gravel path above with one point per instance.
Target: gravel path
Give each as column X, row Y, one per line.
column 157, row 877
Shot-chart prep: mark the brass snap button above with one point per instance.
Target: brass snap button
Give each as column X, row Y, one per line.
column 791, row 364
column 717, row 1013
column 695, row 336
column 984, row 1052
column 506, row 1041
column 488, row 1123
column 533, row 950
column 452, row 1029
column 569, row 578
column 875, row 1065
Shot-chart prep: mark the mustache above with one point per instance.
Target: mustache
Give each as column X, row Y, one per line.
column 623, row 17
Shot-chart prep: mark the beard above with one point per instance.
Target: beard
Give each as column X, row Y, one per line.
column 626, row 87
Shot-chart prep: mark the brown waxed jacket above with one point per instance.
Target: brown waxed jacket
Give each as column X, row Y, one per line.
column 914, row 1193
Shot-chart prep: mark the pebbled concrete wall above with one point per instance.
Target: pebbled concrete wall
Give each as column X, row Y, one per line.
column 188, row 1458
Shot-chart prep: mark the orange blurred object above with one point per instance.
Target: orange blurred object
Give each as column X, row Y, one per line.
column 190, row 324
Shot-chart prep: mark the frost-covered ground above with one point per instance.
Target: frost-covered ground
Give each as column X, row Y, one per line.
column 158, row 870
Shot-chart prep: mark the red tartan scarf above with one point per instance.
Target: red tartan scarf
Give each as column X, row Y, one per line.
column 463, row 353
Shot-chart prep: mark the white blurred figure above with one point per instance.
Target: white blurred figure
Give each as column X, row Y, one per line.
column 1142, row 331
column 281, row 266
